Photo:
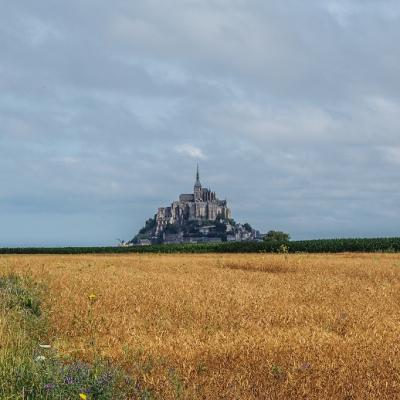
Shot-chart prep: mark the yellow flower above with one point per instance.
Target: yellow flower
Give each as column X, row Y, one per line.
column 92, row 297
column 82, row 396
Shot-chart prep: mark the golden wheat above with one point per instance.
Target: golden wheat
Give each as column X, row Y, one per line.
column 231, row 326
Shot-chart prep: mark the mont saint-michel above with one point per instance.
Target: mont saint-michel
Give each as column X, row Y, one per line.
column 196, row 217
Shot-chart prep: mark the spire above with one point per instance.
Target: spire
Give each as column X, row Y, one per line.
column 197, row 176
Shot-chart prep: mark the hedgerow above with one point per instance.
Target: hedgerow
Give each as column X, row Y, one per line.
column 306, row 246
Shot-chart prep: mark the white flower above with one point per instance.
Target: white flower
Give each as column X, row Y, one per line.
column 40, row 358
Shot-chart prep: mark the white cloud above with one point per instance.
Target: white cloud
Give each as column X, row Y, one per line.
column 190, row 151
column 391, row 154
column 39, row 32
column 344, row 10
column 66, row 160
column 341, row 11
column 270, row 122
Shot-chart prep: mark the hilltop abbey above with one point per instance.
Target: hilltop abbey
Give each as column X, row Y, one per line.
column 201, row 205
column 196, row 217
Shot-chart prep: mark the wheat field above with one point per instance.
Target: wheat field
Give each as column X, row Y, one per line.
column 230, row 326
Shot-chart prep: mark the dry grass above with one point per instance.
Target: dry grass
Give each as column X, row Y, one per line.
column 231, row 326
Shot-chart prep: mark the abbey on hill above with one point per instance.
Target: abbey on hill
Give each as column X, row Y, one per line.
column 195, row 218
column 201, row 205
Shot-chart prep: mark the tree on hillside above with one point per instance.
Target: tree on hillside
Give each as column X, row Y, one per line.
column 171, row 228
column 149, row 225
column 220, row 227
column 277, row 236
column 248, row 227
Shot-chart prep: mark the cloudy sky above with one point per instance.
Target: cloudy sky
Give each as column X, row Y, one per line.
column 291, row 108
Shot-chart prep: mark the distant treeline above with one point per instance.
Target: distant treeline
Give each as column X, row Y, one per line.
column 300, row 246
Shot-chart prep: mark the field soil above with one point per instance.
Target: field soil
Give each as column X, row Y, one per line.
column 229, row 326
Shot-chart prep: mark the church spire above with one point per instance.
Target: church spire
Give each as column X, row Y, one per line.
column 198, row 176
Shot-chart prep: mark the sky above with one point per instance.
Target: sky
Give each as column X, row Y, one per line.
column 291, row 108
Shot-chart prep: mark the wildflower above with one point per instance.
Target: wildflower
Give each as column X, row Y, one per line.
column 68, row 380
column 105, row 378
column 306, row 365
column 49, row 386
column 82, row 396
column 92, row 297
column 40, row 358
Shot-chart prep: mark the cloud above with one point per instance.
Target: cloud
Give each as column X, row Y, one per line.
column 344, row 11
column 391, row 154
column 190, row 151
column 293, row 111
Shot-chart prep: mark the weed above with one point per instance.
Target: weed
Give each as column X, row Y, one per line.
column 34, row 369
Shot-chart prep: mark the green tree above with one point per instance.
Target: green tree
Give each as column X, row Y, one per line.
column 149, row 225
column 277, row 236
column 172, row 228
column 232, row 221
column 248, row 227
column 220, row 227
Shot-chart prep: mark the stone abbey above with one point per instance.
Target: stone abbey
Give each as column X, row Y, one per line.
column 198, row 217
column 201, row 205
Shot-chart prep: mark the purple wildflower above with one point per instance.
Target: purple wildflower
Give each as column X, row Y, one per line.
column 106, row 378
column 49, row 386
column 68, row 380
column 306, row 365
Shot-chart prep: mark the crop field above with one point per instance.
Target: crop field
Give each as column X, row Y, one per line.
column 227, row 326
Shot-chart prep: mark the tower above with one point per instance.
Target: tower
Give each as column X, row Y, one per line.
column 197, row 186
